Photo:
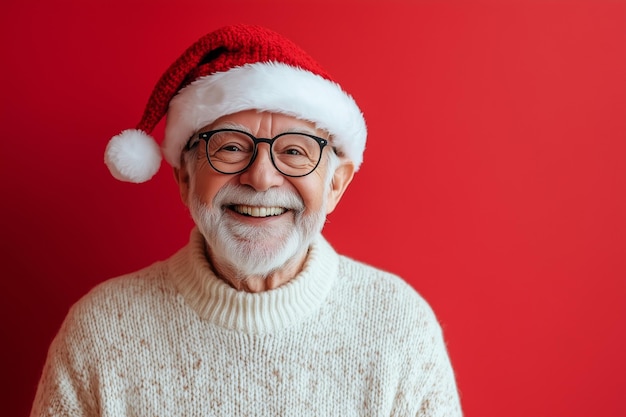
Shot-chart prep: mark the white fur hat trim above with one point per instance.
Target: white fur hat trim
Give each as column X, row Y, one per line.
column 272, row 87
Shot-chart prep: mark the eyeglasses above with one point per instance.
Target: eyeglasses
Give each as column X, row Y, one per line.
column 231, row 151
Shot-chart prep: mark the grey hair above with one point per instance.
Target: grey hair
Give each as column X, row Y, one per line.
column 190, row 157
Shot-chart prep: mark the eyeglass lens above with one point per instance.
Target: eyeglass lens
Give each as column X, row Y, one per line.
column 293, row 153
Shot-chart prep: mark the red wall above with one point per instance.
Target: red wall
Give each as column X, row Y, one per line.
column 494, row 178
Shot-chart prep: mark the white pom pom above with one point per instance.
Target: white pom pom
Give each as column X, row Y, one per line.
column 133, row 156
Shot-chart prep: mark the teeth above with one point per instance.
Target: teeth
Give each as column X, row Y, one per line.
column 259, row 211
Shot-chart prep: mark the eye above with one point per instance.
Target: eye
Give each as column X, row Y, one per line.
column 296, row 145
column 231, row 148
column 292, row 151
column 230, row 141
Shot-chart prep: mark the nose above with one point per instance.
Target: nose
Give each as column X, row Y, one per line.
column 261, row 174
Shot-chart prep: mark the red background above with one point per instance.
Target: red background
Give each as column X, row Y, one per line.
column 494, row 178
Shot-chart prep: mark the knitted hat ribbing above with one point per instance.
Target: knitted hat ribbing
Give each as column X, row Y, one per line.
column 235, row 68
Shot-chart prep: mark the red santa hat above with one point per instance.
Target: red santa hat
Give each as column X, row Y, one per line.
column 235, row 68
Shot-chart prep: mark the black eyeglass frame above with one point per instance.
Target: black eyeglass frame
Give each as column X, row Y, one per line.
column 206, row 136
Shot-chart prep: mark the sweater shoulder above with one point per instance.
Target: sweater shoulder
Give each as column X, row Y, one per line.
column 357, row 274
column 130, row 298
column 141, row 285
column 386, row 293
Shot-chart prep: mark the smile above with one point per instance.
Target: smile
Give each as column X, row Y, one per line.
column 253, row 211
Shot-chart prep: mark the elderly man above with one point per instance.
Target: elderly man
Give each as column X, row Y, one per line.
column 257, row 315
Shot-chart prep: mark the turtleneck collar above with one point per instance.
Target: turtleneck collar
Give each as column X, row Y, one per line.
column 264, row 312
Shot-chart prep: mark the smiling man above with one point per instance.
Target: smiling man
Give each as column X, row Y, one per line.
column 259, row 205
column 257, row 315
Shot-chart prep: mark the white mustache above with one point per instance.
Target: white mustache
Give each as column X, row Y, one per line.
column 242, row 195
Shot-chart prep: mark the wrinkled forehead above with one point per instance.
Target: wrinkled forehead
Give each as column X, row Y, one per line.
column 264, row 123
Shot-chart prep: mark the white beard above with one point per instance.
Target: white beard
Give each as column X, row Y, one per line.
column 256, row 250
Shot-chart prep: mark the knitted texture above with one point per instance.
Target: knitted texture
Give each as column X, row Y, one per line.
column 219, row 51
column 341, row 339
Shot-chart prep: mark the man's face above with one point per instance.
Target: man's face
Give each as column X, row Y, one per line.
column 259, row 219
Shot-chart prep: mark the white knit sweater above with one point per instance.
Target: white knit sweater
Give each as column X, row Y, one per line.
column 341, row 339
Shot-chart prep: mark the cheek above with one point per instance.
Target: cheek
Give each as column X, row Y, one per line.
column 312, row 191
column 205, row 185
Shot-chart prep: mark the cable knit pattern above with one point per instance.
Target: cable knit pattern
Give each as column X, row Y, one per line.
column 341, row 339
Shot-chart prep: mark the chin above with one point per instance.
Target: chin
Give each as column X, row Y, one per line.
column 259, row 256
column 255, row 250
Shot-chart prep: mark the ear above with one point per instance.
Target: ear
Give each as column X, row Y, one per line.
column 181, row 175
column 341, row 179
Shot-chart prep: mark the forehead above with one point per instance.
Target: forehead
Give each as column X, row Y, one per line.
column 257, row 122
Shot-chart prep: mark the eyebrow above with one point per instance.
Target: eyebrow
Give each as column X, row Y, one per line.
column 294, row 129
column 226, row 125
